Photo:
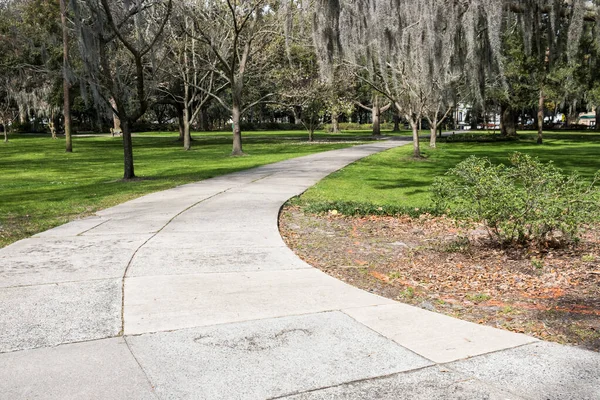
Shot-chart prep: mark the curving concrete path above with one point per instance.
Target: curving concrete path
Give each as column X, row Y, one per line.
column 191, row 293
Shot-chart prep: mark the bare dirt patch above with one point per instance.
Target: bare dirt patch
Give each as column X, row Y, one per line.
column 440, row 265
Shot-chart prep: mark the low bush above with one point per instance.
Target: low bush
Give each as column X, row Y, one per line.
column 526, row 202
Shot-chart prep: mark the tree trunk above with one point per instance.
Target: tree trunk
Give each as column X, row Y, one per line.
column 396, row 123
column 52, row 124
column 66, row 84
column 127, row 151
column 414, row 122
column 376, row 120
column 5, row 131
column 540, row 118
column 311, row 132
column 335, row 123
column 597, row 127
column 508, row 126
column 297, row 111
column 204, row 119
column 237, row 131
column 22, row 113
column 180, row 123
column 433, row 129
column 187, row 138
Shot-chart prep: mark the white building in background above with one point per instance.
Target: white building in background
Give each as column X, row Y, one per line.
column 587, row 119
column 463, row 111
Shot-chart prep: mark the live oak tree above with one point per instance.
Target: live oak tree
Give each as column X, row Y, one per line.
column 408, row 45
column 235, row 31
column 119, row 46
column 191, row 64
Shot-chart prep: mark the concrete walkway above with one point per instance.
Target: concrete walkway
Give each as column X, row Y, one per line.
column 191, row 293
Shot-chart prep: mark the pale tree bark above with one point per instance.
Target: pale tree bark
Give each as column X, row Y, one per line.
column 22, row 113
column 335, row 123
column 66, row 84
column 414, row 123
column 376, row 111
column 435, row 121
column 187, row 137
column 236, row 116
column 414, row 120
column 297, row 111
column 52, row 124
column 116, row 129
column 4, row 130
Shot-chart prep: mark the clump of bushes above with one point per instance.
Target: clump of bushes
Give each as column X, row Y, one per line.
column 528, row 201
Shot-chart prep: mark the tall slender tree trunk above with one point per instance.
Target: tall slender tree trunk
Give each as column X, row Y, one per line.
column 236, row 116
column 597, row 127
column 127, row 150
column 22, row 113
column 540, row 118
column 66, row 84
column 187, row 138
column 52, row 124
column 4, row 130
column 311, row 132
column 180, row 123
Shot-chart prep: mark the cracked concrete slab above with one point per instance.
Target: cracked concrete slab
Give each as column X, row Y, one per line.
column 49, row 315
column 433, row 383
column 151, row 261
column 544, row 371
column 436, row 336
column 73, row 228
column 263, row 359
column 233, row 240
column 161, row 303
column 46, row 260
column 103, row 369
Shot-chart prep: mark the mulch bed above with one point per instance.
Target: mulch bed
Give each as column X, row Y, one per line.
column 451, row 268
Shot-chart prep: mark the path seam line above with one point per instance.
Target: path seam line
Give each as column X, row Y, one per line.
column 122, row 331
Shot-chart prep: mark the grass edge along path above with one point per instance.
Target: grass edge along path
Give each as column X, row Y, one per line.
column 392, row 182
column 42, row 187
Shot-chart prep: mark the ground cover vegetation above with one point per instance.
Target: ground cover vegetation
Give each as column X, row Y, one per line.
column 375, row 224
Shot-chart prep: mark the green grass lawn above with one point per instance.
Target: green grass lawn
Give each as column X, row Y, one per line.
column 393, row 179
column 41, row 186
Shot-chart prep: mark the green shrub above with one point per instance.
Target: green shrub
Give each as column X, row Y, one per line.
column 526, row 202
